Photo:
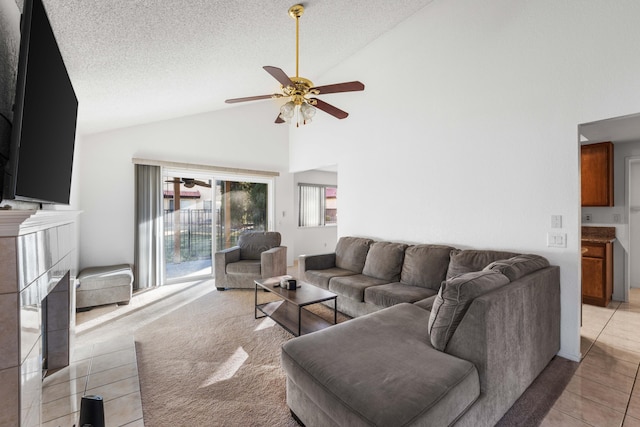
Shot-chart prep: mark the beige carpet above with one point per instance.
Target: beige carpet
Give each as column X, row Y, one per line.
column 210, row 363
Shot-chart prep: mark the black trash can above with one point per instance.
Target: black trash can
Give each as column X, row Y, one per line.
column 91, row 411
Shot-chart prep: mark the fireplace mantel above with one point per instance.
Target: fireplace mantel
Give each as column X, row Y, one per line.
column 38, row 262
column 18, row 222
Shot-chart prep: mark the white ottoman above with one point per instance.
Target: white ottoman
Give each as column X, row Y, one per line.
column 104, row 285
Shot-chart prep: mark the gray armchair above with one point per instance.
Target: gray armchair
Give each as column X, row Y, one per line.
column 257, row 255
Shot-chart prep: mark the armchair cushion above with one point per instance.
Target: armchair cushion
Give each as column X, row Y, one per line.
column 253, row 243
column 245, row 266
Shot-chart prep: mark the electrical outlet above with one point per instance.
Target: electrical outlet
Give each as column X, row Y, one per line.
column 586, row 218
column 556, row 221
column 616, row 218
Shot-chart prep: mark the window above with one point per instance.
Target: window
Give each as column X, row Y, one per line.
column 318, row 205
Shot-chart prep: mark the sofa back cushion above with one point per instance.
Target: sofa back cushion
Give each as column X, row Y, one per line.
column 519, row 265
column 384, row 261
column 351, row 253
column 454, row 298
column 465, row 261
column 253, row 243
column 425, row 265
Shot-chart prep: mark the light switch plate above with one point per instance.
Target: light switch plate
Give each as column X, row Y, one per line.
column 557, row 240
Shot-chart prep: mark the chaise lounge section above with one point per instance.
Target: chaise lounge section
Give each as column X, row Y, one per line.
column 461, row 356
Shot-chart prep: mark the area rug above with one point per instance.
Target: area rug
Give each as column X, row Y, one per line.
column 211, row 363
column 534, row 404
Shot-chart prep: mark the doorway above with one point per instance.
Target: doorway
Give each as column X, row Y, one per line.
column 187, row 223
column 624, row 132
column 633, row 167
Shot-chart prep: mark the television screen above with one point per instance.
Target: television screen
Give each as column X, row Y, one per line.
column 45, row 113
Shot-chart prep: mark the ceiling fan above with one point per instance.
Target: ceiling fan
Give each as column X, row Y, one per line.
column 301, row 92
column 189, row 182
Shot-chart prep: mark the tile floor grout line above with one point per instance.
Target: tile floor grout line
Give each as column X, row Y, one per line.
column 86, row 384
column 596, row 402
column 600, row 333
column 635, row 380
column 626, row 409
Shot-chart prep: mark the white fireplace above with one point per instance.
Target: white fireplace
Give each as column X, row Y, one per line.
column 38, row 260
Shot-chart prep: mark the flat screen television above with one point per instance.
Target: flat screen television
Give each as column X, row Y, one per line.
column 44, row 116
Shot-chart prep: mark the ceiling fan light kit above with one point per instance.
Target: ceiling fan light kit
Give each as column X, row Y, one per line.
column 301, row 107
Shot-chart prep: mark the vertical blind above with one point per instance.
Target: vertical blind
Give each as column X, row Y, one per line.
column 312, row 205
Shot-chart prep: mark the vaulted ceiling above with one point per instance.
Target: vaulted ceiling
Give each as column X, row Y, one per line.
column 138, row 61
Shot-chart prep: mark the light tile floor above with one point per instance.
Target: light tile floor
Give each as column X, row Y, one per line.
column 605, row 390
column 104, row 357
column 107, row 369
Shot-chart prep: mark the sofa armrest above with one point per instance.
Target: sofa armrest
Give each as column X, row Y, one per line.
column 273, row 262
column 315, row 262
column 512, row 332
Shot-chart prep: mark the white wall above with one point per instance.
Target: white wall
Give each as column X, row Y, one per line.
column 315, row 240
column 229, row 138
column 467, row 130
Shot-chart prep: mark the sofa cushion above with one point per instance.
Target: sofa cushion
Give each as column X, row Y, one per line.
column 351, row 253
column 425, row 265
column 253, row 243
column 453, row 300
column 384, row 261
column 321, row 278
column 426, row 303
column 465, row 261
column 519, row 265
column 403, row 382
column 395, row 293
column 353, row 286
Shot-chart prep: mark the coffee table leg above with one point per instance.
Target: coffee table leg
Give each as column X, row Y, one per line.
column 335, row 311
column 255, row 302
column 299, row 320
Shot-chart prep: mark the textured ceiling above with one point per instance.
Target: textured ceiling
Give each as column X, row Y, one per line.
column 139, row 61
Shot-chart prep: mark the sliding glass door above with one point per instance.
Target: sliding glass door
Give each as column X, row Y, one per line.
column 242, row 206
column 188, row 221
column 204, row 213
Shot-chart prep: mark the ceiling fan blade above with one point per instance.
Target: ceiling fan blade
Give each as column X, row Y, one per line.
column 340, row 87
column 252, row 98
column 279, row 75
column 328, row 108
column 279, row 119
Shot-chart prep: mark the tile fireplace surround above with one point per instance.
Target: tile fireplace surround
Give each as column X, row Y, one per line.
column 38, row 263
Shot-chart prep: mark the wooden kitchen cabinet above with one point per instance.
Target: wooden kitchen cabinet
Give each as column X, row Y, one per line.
column 597, row 273
column 597, row 174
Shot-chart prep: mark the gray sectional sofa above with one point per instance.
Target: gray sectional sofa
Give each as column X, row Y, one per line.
column 441, row 336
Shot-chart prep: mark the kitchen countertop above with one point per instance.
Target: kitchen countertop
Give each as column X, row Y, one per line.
column 598, row 234
column 597, row 240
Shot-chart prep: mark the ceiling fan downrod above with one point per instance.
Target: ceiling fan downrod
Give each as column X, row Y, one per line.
column 296, row 12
